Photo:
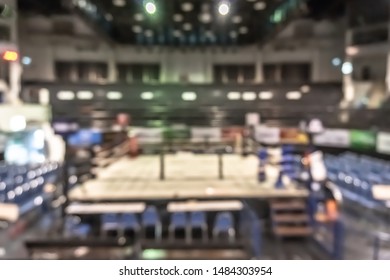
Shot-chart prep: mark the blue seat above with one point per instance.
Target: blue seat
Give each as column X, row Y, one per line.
column 110, row 222
column 129, row 221
column 151, row 218
column 224, row 224
column 198, row 221
column 179, row 220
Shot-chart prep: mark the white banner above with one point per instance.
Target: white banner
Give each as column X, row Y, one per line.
column 383, row 143
column 147, row 135
column 212, row 134
column 191, row 269
column 338, row 138
column 267, row 135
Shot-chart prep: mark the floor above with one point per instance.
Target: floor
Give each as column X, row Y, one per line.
column 186, row 176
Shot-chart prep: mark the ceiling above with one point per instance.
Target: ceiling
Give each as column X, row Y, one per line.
column 187, row 22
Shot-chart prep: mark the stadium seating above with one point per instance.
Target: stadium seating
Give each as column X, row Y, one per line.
column 224, row 226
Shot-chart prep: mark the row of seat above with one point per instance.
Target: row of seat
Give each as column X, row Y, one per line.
column 356, row 175
column 19, row 184
column 150, row 219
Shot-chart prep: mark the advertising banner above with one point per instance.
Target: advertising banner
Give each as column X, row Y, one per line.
column 267, row 135
column 362, row 140
column 231, row 133
column 177, row 132
column 201, row 134
column 85, row 138
column 383, row 143
column 293, row 136
column 337, row 138
column 147, row 135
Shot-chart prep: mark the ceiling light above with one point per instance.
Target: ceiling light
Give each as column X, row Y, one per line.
column 187, row 7
column 260, row 6
column 266, row 95
column 249, row 96
column 305, row 89
column 294, row 95
column 237, row 19
column 137, row 29
column 188, row 96
column 114, row 95
column 205, row 18
column 44, row 96
column 119, row 3
column 150, row 8
column 82, row 3
column 336, row 61
column 26, row 60
column 243, row 30
column 65, row 95
column 352, row 51
column 147, row 95
column 347, row 68
column 84, row 95
column 178, row 17
column 223, row 9
column 139, row 17
column 176, row 33
column 187, row 26
column 234, row 95
column 148, row 33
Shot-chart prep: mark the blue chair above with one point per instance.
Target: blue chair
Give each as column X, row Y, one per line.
column 129, row 221
column 74, row 228
column 224, row 224
column 179, row 220
column 110, row 223
column 198, row 221
column 151, row 219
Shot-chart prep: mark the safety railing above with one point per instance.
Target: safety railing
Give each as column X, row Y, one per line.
column 328, row 235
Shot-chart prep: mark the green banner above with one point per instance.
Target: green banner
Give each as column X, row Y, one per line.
column 363, row 140
column 176, row 133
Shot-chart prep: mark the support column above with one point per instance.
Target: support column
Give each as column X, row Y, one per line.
column 259, row 75
column 112, row 71
column 15, row 69
column 388, row 59
column 348, row 86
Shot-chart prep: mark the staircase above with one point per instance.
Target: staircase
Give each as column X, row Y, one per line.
column 290, row 218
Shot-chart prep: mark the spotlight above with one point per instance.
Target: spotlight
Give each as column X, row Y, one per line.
column 223, row 9
column 347, row 68
column 336, row 61
column 150, row 8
